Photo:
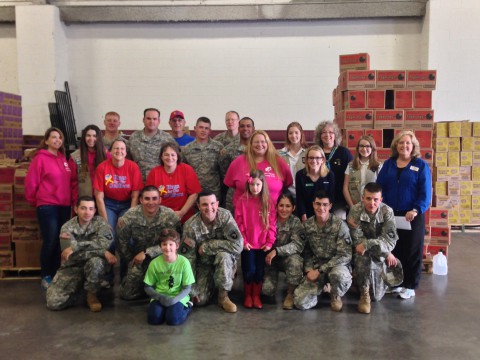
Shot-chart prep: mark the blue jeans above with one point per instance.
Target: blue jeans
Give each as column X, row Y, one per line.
column 253, row 265
column 174, row 315
column 115, row 209
column 51, row 218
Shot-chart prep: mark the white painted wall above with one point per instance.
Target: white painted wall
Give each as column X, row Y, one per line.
column 274, row 72
column 8, row 59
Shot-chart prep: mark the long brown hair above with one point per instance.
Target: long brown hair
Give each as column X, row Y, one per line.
column 264, row 194
column 100, row 151
column 43, row 144
column 303, row 142
column 373, row 163
column 271, row 155
column 323, row 168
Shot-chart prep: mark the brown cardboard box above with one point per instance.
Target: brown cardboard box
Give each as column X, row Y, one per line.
column 6, row 259
column 446, row 173
column 454, row 144
column 466, row 128
column 391, row 79
column 455, row 129
column 356, row 119
column 441, row 159
column 453, row 188
column 376, row 99
column 424, row 137
column 6, row 210
column 439, row 217
column 6, row 192
column 475, row 202
column 27, row 253
column 7, row 174
column 435, row 249
column 359, row 61
column 357, row 80
column 352, row 136
column 466, row 187
column 5, row 241
column 422, row 99
column 476, row 158
column 465, row 173
column 465, row 202
column 441, row 129
column 475, row 188
column 377, row 135
column 465, row 216
column 453, row 158
column 440, row 235
column 476, row 173
column 403, row 99
column 427, row 155
column 466, row 158
column 440, row 188
column 354, row 99
column 421, row 79
column 476, row 129
column 21, row 233
column 388, row 119
column 383, row 154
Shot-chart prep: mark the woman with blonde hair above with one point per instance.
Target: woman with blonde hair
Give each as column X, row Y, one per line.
column 316, row 176
column 260, row 154
column 406, row 181
column 363, row 169
column 294, row 151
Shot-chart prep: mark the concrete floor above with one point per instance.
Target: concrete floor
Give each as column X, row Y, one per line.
column 441, row 322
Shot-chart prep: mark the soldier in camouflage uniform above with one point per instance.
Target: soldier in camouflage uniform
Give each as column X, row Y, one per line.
column 203, row 154
column 231, row 120
column 137, row 232
column 212, row 242
column 328, row 252
column 232, row 151
column 144, row 145
column 374, row 234
column 85, row 260
column 286, row 253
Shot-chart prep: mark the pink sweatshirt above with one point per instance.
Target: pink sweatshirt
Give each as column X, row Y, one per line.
column 239, row 170
column 48, row 180
column 249, row 220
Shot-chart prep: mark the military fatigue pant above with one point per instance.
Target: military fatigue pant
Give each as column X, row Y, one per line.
column 369, row 273
column 132, row 284
column 292, row 266
column 69, row 279
column 306, row 294
column 213, row 272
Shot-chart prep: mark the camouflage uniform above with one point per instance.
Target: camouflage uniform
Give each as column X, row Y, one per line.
column 108, row 143
column 221, row 244
column 227, row 155
column 86, row 265
column 329, row 250
column 378, row 233
column 135, row 235
column 145, row 150
column 288, row 246
column 226, row 140
column 205, row 160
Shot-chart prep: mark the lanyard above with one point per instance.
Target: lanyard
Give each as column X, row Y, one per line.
column 330, row 157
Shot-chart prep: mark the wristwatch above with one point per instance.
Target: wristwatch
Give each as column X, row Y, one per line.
column 414, row 210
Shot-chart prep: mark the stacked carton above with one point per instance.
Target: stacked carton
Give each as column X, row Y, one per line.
column 381, row 103
column 19, row 231
column 11, row 125
column 456, row 172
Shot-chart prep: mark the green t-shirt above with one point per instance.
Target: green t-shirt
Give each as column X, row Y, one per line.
column 169, row 278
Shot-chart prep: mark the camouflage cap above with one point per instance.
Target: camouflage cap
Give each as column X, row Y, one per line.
column 393, row 275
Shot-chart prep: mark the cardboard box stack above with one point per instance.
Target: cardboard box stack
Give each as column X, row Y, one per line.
column 456, row 173
column 381, row 103
column 11, row 136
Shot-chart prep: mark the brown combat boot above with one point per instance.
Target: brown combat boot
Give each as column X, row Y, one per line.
column 225, row 303
column 364, row 303
column 335, row 302
column 288, row 302
column 93, row 302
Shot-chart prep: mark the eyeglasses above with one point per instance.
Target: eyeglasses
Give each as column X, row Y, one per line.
column 365, row 146
column 328, row 133
column 317, row 158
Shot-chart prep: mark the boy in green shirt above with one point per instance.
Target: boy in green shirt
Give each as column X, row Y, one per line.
column 168, row 282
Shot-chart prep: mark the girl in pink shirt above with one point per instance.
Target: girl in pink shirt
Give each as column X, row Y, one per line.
column 256, row 219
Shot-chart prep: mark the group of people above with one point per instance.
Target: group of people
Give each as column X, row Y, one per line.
column 178, row 211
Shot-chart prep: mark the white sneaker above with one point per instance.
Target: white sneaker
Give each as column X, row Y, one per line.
column 407, row 294
column 396, row 290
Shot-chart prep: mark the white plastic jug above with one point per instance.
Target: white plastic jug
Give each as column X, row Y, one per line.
column 440, row 266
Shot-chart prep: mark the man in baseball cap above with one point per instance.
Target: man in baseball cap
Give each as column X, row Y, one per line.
column 177, row 123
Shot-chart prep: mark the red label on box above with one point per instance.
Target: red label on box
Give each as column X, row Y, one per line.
column 357, row 80
column 427, row 155
column 377, row 135
column 357, row 119
column 391, row 79
column 376, row 99
column 354, row 61
column 439, row 217
column 355, row 99
column 384, row 154
column 424, row 137
column 419, row 119
column 421, row 79
column 352, row 137
column 386, row 119
column 403, row 99
column 422, row 99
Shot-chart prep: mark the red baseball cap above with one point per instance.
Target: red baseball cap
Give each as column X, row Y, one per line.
column 177, row 113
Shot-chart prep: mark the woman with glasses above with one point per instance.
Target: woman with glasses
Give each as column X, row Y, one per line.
column 363, row 169
column 314, row 177
column 327, row 135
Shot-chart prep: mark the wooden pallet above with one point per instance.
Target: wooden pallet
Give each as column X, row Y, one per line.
column 428, row 265
column 25, row 273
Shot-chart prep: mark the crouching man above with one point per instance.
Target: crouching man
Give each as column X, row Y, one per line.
column 85, row 259
column 374, row 235
column 212, row 242
column 328, row 252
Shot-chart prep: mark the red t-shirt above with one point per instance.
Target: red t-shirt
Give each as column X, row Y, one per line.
column 175, row 187
column 118, row 183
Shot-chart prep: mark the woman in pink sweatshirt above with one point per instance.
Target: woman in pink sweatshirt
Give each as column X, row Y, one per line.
column 48, row 188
